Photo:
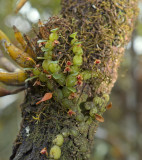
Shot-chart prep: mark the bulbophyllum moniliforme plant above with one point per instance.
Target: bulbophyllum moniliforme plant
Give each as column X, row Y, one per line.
column 68, row 70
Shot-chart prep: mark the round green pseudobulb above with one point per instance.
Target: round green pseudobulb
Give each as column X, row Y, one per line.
column 103, row 109
column 83, row 128
column 45, row 65
column 106, row 97
column 66, row 103
column 48, row 55
column 80, row 117
column 98, row 101
column 55, row 152
column 66, row 92
column 86, row 75
column 74, row 132
column 77, row 60
column 36, row 71
column 49, row 45
column 71, row 81
column 61, row 80
column 53, row 36
column 77, row 50
column 89, row 121
column 93, row 111
column 73, row 41
column 42, row 77
column 65, row 132
column 74, row 69
column 58, row 95
column 54, row 67
column 59, row 140
column 50, row 85
column 89, row 105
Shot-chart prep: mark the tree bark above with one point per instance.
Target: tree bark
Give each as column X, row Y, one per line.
column 103, row 27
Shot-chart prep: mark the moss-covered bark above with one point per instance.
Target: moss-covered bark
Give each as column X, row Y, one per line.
column 103, row 27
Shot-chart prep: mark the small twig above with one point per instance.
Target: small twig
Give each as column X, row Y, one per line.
column 5, row 92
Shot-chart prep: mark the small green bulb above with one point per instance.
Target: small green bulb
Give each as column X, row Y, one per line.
column 59, row 140
column 66, row 103
column 75, row 69
column 42, row 77
column 58, row 94
column 89, row 105
column 65, row 132
column 74, row 132
column 71, row 81
column 93, row 111
column 55, row 152
column 73, row 41
column 77, row 60
column 49, row 45
column 48, row 55
column 83, row 128
column 53, row 36
column 61, row 80
column 45, row 65
column 50, row 85
column 89, row 121
column 98, row 101
column 80, row 117
column 106, row 97
column 66, row 92
column 77, row 50
column 36, row 71
column 86, row 75
column 54, row 67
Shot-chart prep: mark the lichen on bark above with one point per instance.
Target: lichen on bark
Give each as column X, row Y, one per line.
column 103, row 28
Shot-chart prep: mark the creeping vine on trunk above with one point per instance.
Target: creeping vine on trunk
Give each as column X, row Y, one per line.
column 70, row 67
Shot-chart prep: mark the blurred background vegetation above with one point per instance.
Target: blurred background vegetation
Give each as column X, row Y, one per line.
column 120, row 136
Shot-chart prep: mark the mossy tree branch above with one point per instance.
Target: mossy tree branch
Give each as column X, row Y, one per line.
column 103, row 27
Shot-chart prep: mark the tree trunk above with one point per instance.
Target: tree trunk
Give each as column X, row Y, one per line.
column 103, row 27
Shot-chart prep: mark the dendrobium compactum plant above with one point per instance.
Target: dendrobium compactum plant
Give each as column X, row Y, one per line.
column 69, row 69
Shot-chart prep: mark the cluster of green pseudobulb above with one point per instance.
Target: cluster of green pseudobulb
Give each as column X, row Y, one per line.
column 66, row 81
